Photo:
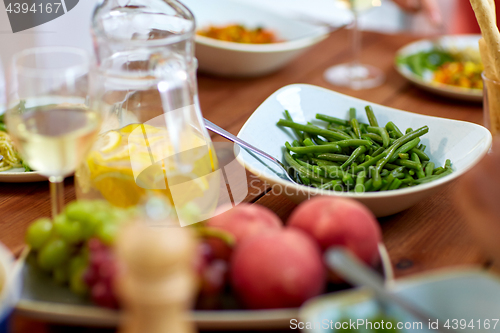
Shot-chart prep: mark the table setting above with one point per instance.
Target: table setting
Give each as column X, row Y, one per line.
column 217, row 167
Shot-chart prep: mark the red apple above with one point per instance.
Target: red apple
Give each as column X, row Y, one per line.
column 334, row 221
column 277, row 270
column 243, row 221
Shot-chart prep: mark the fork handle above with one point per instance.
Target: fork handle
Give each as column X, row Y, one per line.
column 222, row 132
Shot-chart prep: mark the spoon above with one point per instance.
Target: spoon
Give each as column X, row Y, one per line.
column 222, row 132
column 353, row 270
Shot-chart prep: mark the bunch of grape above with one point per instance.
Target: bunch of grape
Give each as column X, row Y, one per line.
column 63, row 247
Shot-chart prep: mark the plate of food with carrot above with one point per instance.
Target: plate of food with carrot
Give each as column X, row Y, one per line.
column 448, row 66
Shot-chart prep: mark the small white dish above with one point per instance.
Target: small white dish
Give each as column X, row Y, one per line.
column 458, row 298
column 238, row 59
column 462, row 142
column 450, row 42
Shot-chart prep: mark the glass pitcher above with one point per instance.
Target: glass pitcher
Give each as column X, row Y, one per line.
column 153, row 141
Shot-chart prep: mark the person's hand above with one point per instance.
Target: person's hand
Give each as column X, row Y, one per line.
column 478, row 198
column 429, row 7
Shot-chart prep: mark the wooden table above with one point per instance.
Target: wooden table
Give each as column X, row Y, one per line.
column 428, row 236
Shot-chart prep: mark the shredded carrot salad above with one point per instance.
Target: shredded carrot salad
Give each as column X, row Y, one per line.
column 239, row 34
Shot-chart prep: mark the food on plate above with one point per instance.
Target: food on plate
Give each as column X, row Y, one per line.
column 10, row 155
column 489, row 48
column 277, row 270
column 239, row 34
column 350, row 156
column 76, row 247
column 264, row 263
column 11, row 158
column 461, row 68
column 334, row 221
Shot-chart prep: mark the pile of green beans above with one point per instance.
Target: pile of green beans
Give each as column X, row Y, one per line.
column 351, row 156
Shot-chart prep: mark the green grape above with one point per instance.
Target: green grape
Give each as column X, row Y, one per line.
column 107, row 233
column 70, row 231
column 76, row 282
column 60, row 274
column 81, row 211
column 53, row 254
column 76, row 263
column 39, row 233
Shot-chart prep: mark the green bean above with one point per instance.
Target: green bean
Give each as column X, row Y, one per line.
column 353, row 135
column 405, row 148
column 422, row 147
column 371, row 116
column 331, row 119
column 352, row 143
column 368, row 185
column 368, row 163
column 321, row 162
column 316, row 169
column 333, row 157
column 377, row 180
column 409, row 164
column 396, row 183
column 420, row 173
column 409, row 130
column 313, row 130
column 421, row 154
column 391, row 126
column 295, row 143
column 377, row 152
column 360, row 182
column 355, row 154
column 331, row 148
column 447, row 164
column 403, row 156
column 411, row 172
column 408, row 180
column 383, row 134
column 433, row 177
column 331, row 185
column 373, row 137
column 304, row 180
column 298, row 134
column 303, row 171
column 390, row 166
column 361, row 157
column 402, row 140
column 429, row 168
column 308, row 142
column 384, row 173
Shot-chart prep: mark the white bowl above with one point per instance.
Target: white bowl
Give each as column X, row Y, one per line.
column 238, row 59
column 462, row 142
column 464, row 295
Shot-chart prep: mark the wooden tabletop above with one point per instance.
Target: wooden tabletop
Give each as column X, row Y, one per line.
column 430, row 235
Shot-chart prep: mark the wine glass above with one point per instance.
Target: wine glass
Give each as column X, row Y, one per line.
column 354, row 74
column 47, row 116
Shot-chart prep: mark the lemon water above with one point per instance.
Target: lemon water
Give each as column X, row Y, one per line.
column 138, row 160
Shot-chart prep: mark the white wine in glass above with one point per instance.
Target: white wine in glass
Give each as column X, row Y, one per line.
column 48, row 117
column 354, row 74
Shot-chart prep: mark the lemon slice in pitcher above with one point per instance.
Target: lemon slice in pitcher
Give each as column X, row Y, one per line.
column 111, row 141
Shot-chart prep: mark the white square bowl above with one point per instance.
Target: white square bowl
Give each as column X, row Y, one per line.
column 462, row 142
column 239, row 59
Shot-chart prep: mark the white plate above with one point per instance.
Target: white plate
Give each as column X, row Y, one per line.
column 18, row 175
column 462, row 142
column 464, row 295
column 237, row 59
column 43, row 299
column 455, row 42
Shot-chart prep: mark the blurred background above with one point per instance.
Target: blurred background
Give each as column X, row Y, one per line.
column 72, row 29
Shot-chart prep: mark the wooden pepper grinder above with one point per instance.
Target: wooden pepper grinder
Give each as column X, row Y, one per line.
column 157, row 283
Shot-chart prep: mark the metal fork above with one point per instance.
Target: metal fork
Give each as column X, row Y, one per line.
column 251, row 149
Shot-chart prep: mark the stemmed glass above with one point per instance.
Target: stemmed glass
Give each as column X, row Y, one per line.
column 48, row 116
column 354, row 74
